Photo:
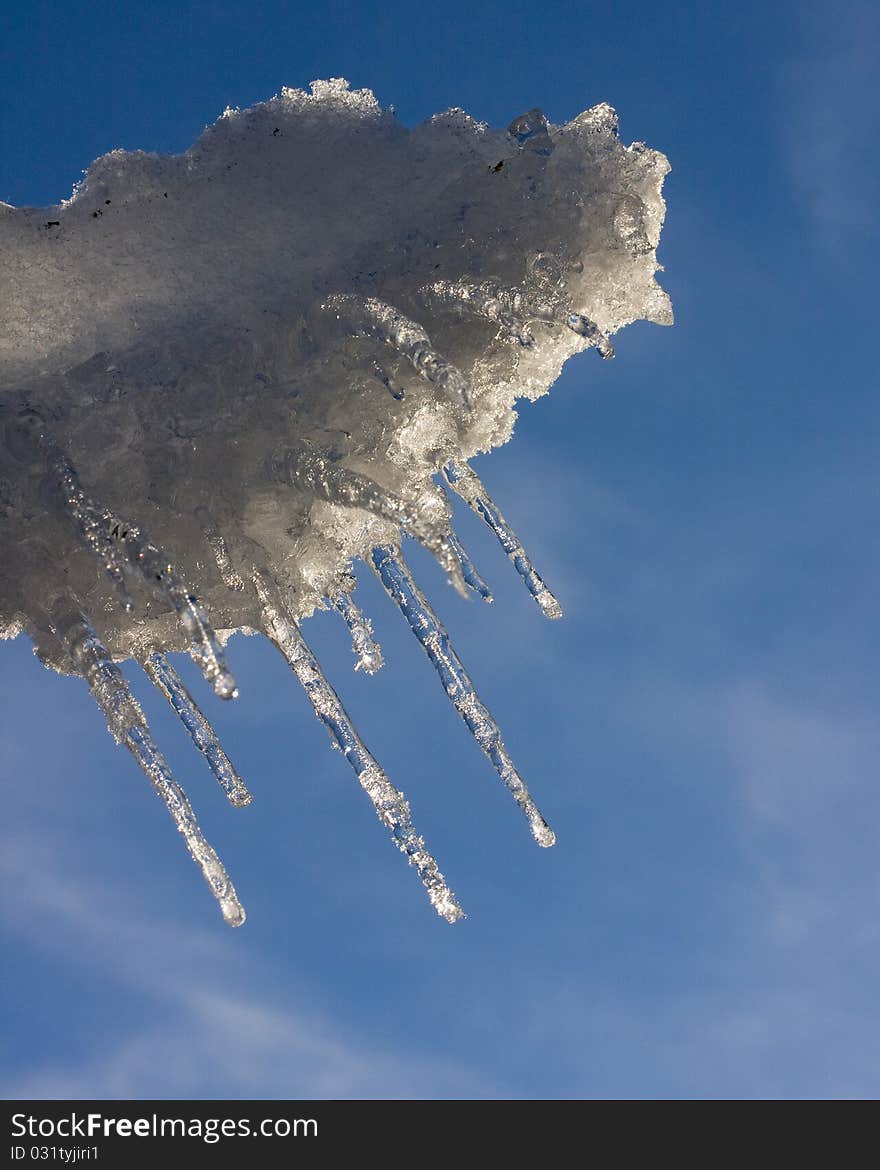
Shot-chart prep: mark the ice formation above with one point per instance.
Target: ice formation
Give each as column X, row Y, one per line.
column 226, row 375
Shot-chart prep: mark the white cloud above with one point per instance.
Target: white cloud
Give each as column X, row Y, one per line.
column 209, row 1023
column 796, row 762
column 832, row 120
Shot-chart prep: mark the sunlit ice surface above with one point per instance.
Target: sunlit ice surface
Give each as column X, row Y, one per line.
column 227, row 375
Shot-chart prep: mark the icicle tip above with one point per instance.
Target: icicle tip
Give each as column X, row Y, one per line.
column 225, row 686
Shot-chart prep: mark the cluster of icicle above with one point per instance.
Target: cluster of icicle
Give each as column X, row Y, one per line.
column 275, row 352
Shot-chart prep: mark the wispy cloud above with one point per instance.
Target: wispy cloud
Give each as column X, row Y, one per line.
column 832, row 108
column 208, row 1022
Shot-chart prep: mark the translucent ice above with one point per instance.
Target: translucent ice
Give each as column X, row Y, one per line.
column 424, row 623
column 163, row 675
column 391, row 805
column 264, row 352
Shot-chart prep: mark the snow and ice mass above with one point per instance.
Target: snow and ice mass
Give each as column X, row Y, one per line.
column 227, row 375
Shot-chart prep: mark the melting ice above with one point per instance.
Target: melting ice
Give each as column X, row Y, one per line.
column 226, row 375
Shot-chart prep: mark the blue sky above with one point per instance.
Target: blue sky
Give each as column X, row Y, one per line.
column 700, row 729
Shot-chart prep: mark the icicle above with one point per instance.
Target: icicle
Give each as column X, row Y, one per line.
column 205, row 648
column 488, row 300
column 512, row 308
column 163, row 675
column 231, row 577
column 124, row 548
column 127, row 725
column 92, row 522
column 591, row 332
column 368, row 317
column 156, row 570
column 367, row 649
column 466, row 483
column 469, row 570
column 391, row 805
column 427, row 627
column 305, row 468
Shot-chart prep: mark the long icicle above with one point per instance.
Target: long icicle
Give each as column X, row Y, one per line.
column 467, row 484
column 123, row 548
column 391, row 805
column 166, row 679
column 398, row 582
column 128, row 726
column 365, row 646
